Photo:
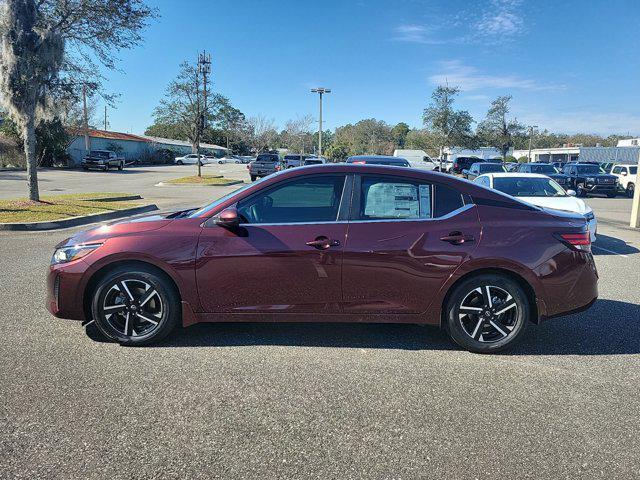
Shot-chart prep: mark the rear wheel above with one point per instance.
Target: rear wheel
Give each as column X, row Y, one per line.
column 630, row 190
column 487, row 313
column 253, row 178
column 121, row 166
column 135, row 306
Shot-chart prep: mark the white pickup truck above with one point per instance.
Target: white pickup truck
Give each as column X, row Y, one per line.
column 627, row 177
column 102, row 159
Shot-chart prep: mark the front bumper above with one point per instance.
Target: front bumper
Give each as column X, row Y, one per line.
column 601, row 187
column 64, row 298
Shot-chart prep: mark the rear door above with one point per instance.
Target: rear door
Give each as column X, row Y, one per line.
column 286, row 257
column 405, row 239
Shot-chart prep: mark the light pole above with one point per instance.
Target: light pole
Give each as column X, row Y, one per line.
column 531, row 138
column 320, row 91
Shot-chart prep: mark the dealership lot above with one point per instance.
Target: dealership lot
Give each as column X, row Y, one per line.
column 325, row 401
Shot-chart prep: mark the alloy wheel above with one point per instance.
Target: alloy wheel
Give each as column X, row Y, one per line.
column 488, row 314
column 133, row 308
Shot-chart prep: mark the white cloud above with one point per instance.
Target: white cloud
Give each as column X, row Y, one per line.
column 468, row 78
column 501, row 20
column 584, row 122
column 413, row 33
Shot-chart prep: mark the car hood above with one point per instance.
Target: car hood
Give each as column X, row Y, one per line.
column 567, row 204
column 130, row 226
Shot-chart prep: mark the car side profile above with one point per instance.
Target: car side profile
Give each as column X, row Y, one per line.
column 480, row 168
column 333, row 243
column 192, row 159
column 544, row 169
column 379, row 160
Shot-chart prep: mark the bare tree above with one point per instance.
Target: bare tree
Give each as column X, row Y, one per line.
column 296, row 134
column 260, row 133
column 53, row 47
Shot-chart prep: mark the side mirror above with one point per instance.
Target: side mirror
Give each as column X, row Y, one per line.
column 571, row 193
column 228, row 218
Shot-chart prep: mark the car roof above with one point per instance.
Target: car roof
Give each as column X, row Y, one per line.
column 513, row 175
column 376, row 157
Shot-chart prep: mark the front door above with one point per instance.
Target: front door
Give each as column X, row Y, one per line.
column 405, row 239
column 286, row 257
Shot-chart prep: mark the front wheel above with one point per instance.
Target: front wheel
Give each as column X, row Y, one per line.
column 630, row 190
column 121, row 166
column 135, row 306
column 611, row 194
column 580, row 191
column 487, row 313
column 253, row 178
column 179, row 162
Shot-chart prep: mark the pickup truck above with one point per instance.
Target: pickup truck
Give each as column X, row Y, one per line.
column 102, row 159
column 265, row 164
column 586, row 178
column 295, row 160
column 627, row 177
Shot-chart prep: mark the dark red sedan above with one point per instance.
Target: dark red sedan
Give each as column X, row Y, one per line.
column 333, row 243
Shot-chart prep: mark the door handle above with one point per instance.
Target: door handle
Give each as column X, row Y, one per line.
column 322, row 243
column 457, row 238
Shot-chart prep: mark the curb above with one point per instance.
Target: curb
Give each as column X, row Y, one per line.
column 164, row 184
column 76, row 221
column 121, row 198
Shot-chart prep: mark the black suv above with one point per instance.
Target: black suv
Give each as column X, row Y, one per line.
column 464, row 163
column 544, row 169
column 586, row 178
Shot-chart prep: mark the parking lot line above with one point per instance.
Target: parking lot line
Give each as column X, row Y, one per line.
column 609, row 251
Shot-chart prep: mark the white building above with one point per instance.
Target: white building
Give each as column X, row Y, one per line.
column 486, row 153
column 629, row 142
column 619, row 154
column 550, row 155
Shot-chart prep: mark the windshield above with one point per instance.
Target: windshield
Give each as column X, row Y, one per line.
column 543, row 168
column 221, row 200
column 100, row 154
column 633, row 170
column 528, row 187
column 491, row 167
column 589, row 169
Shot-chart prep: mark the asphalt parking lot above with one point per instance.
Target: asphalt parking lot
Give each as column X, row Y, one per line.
column 314, row 401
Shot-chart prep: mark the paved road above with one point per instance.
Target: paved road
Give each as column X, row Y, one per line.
column 319, row 401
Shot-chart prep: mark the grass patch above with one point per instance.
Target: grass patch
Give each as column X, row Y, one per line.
column 203, row 180
column 55, row 207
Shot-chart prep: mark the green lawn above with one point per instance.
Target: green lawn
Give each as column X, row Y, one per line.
column 203, row 180
column 62, row 206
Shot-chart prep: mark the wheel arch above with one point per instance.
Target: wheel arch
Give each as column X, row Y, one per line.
column 109, row 267
column 516, row 277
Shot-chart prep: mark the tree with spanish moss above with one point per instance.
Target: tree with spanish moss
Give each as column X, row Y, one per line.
column 50, row 49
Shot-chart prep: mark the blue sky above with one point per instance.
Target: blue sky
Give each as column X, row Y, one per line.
column 571, row 66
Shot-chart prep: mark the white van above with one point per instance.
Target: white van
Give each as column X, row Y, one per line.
column 416, row 158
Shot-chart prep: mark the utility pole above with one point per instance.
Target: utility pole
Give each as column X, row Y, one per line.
column 531, row 139
column 105, row 117
column 320, row 91
column 635, row 206
column 204, row 68
column 87, row 140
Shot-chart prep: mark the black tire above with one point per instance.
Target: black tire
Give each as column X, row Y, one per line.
column 580, row 191
column 253, row 178
column 487, row 331
column 85, row 168
column 179, row 162
column 154, row 317
column 611, row 194
column 630, row 190
column 121, row 166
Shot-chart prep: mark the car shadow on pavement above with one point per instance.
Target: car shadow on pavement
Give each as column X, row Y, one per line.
column 606, row 245
column 610, row 327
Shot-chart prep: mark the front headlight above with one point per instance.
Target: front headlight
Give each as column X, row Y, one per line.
column 74, row 252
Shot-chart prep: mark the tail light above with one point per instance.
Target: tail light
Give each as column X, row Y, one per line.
column 577, row 241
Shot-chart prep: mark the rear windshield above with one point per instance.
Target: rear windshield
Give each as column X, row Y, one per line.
column 100, row 154
column 267, row 158
column 292, row 157
column 491, row 167
column 542, row 168
column 528, row 187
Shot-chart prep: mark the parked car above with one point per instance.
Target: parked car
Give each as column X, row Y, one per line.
column 464, row 163
column 539, row 189
column 315, row 161
column 544, row 169
column 627, row 176
column 246, row 159
column 585, row 178
column 447, row 165
column 102, row 159
column 511, row 166
column 416, row 158
column 295, row 160
column 192, row 159
column 482, row 167
column 378, row 160
column 264, row 164
column 606, row 167
column 559, row 166
column 228, row 159
column 421, row 248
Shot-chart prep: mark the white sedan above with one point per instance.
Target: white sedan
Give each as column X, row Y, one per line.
column 541, row 191
column 191, row 159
